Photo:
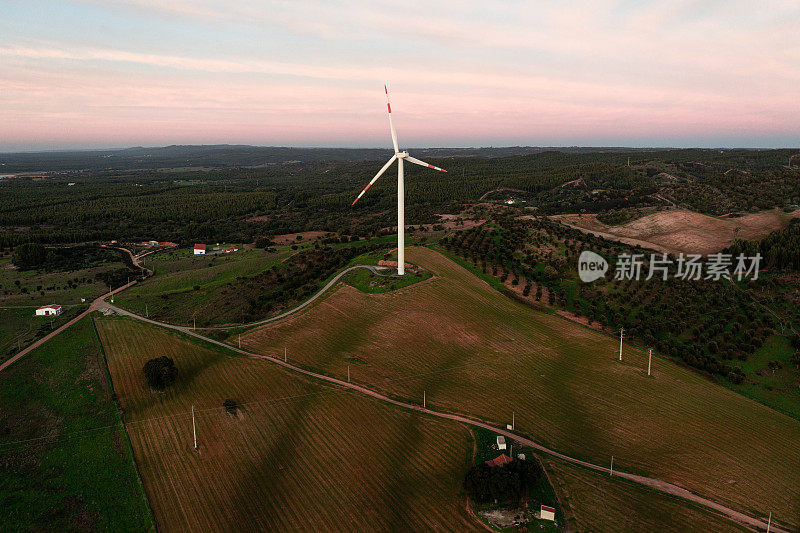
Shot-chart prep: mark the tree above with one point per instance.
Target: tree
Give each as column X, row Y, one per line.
column 230, row 406
column 31, row 255
column 160, row 372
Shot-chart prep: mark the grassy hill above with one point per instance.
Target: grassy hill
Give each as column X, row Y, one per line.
column 599, row 503
column 65, row 460
column 472, row 350
column 298, row 457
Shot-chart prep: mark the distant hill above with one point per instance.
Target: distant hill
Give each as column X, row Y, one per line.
column 226, row 156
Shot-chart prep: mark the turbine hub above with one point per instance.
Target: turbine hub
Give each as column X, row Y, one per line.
column 402, row 155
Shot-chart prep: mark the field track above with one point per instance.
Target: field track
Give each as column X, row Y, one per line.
column 478, row 353
column 656, row 484
column 300, row 455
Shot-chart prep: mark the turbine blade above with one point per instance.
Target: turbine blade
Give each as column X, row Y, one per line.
column 391, row 124
column 423, row 163
column 378, row 175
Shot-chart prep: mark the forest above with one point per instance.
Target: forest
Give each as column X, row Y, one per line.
column 240, row 203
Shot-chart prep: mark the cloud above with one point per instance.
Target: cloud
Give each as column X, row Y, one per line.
column 494, row 70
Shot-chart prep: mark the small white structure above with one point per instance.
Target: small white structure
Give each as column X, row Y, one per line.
column 49, row 310
column 153, row 243
column 501, row 442
column 547, row 513
column 199, row 249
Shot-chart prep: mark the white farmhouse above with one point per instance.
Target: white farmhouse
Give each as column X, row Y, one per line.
column 199, row 249
column 49, row 310
column 547, row 513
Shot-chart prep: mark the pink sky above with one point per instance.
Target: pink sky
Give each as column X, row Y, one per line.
column 139, row 72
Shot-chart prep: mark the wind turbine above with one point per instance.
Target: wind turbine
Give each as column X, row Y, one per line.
column 400, row 157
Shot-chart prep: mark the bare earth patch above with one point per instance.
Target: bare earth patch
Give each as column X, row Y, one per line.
column 305, row 236
column 681, row 230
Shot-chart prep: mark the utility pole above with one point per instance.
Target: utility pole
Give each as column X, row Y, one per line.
column 621, row 330
column 348, row 373
column 240, row 341
column 649, row 361
column 424, row 399
column 512, row 420
column 611, row 472
column 284, row 354
column 194, row 429
column 769, row 521
column 194, row 326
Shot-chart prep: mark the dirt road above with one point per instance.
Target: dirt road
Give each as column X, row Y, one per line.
column 652, row 483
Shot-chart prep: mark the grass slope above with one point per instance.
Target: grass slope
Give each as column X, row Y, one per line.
column 300, row 456
column 74, row 468
column 182, row 283
column 475, row 351
column 597, row 502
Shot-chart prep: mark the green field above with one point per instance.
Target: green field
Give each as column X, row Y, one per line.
column 774, row 385
column 21, row 292
column 298, row 457
column 182, row 283
column 472, row 350
column 372, row 283
column 231, row 288
column 66, row 459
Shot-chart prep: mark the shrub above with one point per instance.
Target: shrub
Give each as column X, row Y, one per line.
column 230, row 406
column 160, row 372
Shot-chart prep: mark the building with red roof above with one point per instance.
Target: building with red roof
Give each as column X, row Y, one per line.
column 49, row 310
column 500, row 460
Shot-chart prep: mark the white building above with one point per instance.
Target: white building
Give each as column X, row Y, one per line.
column 199, row 249
column 501, row 442
column 49, row 310
column 547, row 513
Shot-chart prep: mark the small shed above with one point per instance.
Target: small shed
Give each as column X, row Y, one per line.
column 547, row 513
column 199, row 249
column 49, row 310
column 501, row 442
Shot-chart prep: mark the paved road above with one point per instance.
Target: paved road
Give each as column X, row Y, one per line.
column 655, row 484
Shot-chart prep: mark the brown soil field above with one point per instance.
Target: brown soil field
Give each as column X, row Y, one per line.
column 299, row 456
column 477, row 352
column 680, row 230
column 596, row 502
column 291, row 238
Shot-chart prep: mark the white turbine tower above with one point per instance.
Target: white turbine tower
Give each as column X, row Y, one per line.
column 399, row 156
